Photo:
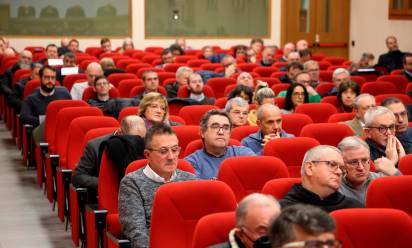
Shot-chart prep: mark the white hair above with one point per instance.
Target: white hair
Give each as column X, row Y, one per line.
column 372, row 113
column 315, row 153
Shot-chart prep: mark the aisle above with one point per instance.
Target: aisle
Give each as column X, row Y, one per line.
column 26, row 218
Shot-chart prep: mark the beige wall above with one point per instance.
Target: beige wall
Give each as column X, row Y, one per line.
column 370, row 25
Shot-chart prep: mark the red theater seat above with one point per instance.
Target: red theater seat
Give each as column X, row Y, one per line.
column 327, row 133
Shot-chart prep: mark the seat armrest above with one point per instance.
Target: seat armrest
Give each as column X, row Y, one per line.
column 95, row 226
column 115, row 242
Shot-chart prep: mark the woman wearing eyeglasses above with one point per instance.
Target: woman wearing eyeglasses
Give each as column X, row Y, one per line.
column 295, row 96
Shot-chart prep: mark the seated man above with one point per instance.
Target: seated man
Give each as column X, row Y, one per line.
column 269, row 121
column 312, row 67
column 245, row 79
column 254, row 215
column 167, row 57
column 267, row 56
column 293, row 69
column 182, row 77
column 356, row 158
column 215, row 128
column 51, row 53
column 138, row 188
column 380, row 128
column 321, row 178
column 93, row 70
column 407, row 66
column 403, row 132
column 361, row 104
column 24, row 62
column 262, row 96
column 34, row 106
column 287, row 48
column 150, row 83
column 109, row 67
column 303, row 226
column 101, row 87
column 393, row 58
column 106, row 45
column 87, row 171
column 69, row 60
column 302, row 45
column 195, row 87
column 74, row 46
column 237, row 109
column 339, row 76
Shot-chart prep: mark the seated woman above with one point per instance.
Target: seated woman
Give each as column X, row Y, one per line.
column 153, row 108
column 347, row 92
column 242, row 91
column 263, row 94
column 127, row 45
column 304, row 79
column 295, row 96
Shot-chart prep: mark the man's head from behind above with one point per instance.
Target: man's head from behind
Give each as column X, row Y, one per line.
column 380, row 123
column 195, row 85
column 25, row 59
column 133, row 125
column 399, row 110
column 322, row 170
column 269, row 119
column 238, row 110
column 47, row 76
column 162, row 150
column 254, row 215
column 93, row 70
column 356, row 158
column 303, row 226
column 362, row 103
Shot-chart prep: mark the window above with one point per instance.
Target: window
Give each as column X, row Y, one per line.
column 400, row 9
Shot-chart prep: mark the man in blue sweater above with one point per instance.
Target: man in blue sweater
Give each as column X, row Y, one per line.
column 215, row 128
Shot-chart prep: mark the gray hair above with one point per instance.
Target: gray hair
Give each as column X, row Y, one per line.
column 263, row 108
column 361, row 96
column 372, row 113
column 390, row 100
column 309, row 63
column 315, row 153
column 263, row 94
column 339, row 71
column 132, row 123
column 312, row 220
column 210, row 113
column 256, row 198
column 238, row 101
column 183, row 69
column 352, row 143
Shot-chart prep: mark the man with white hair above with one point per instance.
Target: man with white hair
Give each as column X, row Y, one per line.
column 269, row 120
column 361, row 104
column 321, row 178
column 93, row 70
column 254, row 215
column 339, row 76
column 182, row 78
column 380, row 127
column 357, row 177
column 237, row 108
column 287, row 48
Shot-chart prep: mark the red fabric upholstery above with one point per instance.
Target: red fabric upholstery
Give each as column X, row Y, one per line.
column 165, row 75
column 178, row 119
column 265, row 71
column 359, row 80
column 398, row 80
column 327, row 133
column 397, row 72
column 334, row 60
column 279, row 187
column 173, row 67
column 181, row 165
column 221, row 102
column 405, row 164
column 330, row 99
column 137, row 90
column 219, row 84
column 198, row 144
column 134, row 68
column 177, row 207
column 403, row 97
column 270, row 80
column 241, row 132
column 378, row 228
column 30, row 86
column 324, row 65
column 19, row 74
column 293, row 123
column 341, row 117
column 390, row 192
column 282, row 148
column 194, row 63
column 115, row 78
column 248, row 174
column 186, row 134
column 210, row 66
column 326, row 76
column 318, row 112
column 143, row 69
column 324, row 88
column 126, row 85
column 247, row 67
column 90, row 94
column 213, row 229
column 69, row 80
column 131, row 110
column 379, row 88
column 192, row 114
column 123, row 63
column 277, row 88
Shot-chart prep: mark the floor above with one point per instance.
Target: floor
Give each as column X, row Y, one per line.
column 26, row 217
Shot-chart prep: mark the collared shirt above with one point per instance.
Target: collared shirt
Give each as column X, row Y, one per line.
column 255, row 140
column 198, row 98
column 78, row 89
column 155, row 177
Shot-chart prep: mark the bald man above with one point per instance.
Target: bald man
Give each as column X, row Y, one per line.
column 24, row 62
column 93, row 70
column 269, row 121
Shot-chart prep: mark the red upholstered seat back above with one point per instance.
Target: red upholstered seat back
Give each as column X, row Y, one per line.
column 318, row 112
column 293, row 123
column 108, row 186
column 219, row 84
column 115, row 78
column 341, row 117
column 241, row 132
column 198, row 144
column 186, row 134
column 279, row 187
column 181, row 165
column 69, row 80
column 327, row 133
column 193, row 114
column 405, row 164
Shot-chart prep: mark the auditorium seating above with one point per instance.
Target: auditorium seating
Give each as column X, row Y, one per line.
column 219, row 84
column 327, row 133
column 293, row 123
column 192, row 114
column 379, row 88
column 318, row 112
column 405, row 164
column 241, row 132
column 280, row 187
column 198, row 144
column 186, row 134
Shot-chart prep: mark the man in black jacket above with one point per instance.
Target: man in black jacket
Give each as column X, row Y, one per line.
column 393, row 58
column 321, row 178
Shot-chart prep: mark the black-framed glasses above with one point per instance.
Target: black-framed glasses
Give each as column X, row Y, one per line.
column 165, row 150
column 355, row 162
column 217, row 127
column 332, row 165
column 385, row 129
column 330, row 243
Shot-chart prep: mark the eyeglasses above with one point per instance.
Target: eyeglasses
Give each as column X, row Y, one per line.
column 298, row 93
column 332, row 165
column 217, row 127
column 355, row 162
column 165, row 150
column 384, row 129
column 330, row 243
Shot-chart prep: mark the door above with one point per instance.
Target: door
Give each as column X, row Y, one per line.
column 323, row 23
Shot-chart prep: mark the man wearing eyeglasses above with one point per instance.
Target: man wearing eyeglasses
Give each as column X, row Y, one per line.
column 403, row 132
column 339, row 76
column 361, row 104
column 380, row 128
column 322, row 170
column 137, row 189
column 303, row 226
column 215, row 130
column 238, row 110
column 357, row 176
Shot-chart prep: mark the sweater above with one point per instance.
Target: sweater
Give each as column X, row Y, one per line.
column 136, row 196
column 255, row 140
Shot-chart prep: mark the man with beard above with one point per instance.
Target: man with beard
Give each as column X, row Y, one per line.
column 195, row 87
column 34, row 106
column 24, row 62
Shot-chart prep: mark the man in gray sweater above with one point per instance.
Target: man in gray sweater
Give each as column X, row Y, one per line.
column 138, row 188
column 357, row 176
